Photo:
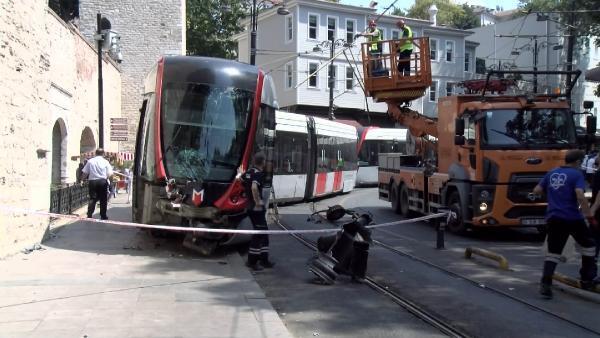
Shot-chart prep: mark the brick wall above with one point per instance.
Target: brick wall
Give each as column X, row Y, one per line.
column 148, row 29
column 49, row 76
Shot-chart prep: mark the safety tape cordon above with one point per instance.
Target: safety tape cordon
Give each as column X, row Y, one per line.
column 210, row 230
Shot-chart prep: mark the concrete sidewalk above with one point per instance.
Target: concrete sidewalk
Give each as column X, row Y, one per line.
column 95, row 280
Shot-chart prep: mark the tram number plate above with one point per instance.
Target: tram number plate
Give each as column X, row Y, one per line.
column 533, row 221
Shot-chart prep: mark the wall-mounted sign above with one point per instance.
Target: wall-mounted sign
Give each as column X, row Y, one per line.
column 118, row 120
column 118, row 127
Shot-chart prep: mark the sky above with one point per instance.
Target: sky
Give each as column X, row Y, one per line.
column 405, row 4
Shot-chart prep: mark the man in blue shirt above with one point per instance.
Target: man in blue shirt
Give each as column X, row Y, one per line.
column 564, row 187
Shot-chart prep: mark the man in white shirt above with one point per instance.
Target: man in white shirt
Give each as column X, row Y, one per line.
column 589, row 166
column 98, row 170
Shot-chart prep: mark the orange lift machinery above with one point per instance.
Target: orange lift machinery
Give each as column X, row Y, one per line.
column 483, row 154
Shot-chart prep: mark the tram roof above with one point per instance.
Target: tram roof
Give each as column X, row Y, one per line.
column 332, row 128
column 386, row 134
column 290, row 122
column 213, row 71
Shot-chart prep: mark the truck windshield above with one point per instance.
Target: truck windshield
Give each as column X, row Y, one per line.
column 536, row 128
column 203, row 130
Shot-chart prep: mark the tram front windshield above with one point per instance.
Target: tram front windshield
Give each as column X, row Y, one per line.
column 370, row 149
column 204, row 130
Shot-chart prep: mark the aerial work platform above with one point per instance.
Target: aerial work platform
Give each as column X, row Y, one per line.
column 383, row 80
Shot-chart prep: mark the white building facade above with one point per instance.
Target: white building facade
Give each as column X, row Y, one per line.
column 512, row 45
column 285, row 49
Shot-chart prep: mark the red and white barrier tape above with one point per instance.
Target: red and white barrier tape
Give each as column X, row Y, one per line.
column 212, row 230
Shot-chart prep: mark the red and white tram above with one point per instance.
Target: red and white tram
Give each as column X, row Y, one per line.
column 201, row 119
column 314, row 157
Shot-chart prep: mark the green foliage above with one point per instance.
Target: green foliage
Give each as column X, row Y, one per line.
column 398, row 11
column 449, row 14
column 466, row 19
column 210, row 24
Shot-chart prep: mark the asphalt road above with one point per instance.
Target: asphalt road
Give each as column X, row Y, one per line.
column 353, row 310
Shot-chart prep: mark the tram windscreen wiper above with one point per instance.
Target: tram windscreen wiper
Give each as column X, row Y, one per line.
column 173, row 139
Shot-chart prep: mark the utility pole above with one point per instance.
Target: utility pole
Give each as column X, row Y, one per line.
column 331, row 80
column 100, row 85
column 253, row 20
column 570, row 43
column 535, row 62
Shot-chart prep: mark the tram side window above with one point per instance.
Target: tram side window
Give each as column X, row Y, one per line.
column 323, row 154
column 148, row 160
column 291, row 153
column 350, row 160
column 264, row 141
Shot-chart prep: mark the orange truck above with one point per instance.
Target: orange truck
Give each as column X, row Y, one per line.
column 483, row 154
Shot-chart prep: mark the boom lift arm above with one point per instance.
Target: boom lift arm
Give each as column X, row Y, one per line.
column 418, row 124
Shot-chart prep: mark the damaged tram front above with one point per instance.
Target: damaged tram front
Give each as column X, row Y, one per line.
column 202, row 120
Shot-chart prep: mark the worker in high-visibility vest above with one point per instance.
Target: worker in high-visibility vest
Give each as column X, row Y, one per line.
column 375, row 35
column 405, row 48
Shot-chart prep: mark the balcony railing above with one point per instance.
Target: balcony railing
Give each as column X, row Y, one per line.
column 66, row 199
column 384, row 82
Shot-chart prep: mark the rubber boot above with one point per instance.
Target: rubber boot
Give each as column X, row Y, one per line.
column 546, row 282
column 588, row 272
column 359, row 260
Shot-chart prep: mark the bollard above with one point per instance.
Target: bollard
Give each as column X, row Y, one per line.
column 503, row 262
column 441, row 228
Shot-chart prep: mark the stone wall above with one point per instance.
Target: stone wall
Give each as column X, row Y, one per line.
column 49, row 78
column 148, row 29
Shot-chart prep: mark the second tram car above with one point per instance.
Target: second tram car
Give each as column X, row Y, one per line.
column 314, row 157
column 373, row 141
column 201, row 119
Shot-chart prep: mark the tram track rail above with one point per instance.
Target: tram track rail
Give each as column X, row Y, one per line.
column 470, row 280
column 427, row 316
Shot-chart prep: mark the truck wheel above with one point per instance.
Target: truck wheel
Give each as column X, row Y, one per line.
column 456, row 224
column 395, row 198
column 404, row 211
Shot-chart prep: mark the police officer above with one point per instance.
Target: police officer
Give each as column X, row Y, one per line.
column 404, row 48
column 259, row 243
column 375, row 35
column 564, row 187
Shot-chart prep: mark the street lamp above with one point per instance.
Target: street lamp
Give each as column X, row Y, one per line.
column 331, row 44
column 110, row 40
column 282, row 10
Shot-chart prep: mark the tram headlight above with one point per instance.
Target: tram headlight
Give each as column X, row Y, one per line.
column 484, row 195
column 483, row 207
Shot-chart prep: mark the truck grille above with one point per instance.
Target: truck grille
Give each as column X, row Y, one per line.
column 521, row 185
column 526, row 211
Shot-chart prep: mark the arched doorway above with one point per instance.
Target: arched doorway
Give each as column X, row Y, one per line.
column 59, row 153
column 87, row 142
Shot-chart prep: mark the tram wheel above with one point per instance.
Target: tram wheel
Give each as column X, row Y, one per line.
column 395, row 198
column 456, row 224
column 204, row 247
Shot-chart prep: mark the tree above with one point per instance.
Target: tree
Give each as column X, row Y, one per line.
column 465, row 20
column 449, row 14
column 210, row 24
column 398, row 11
